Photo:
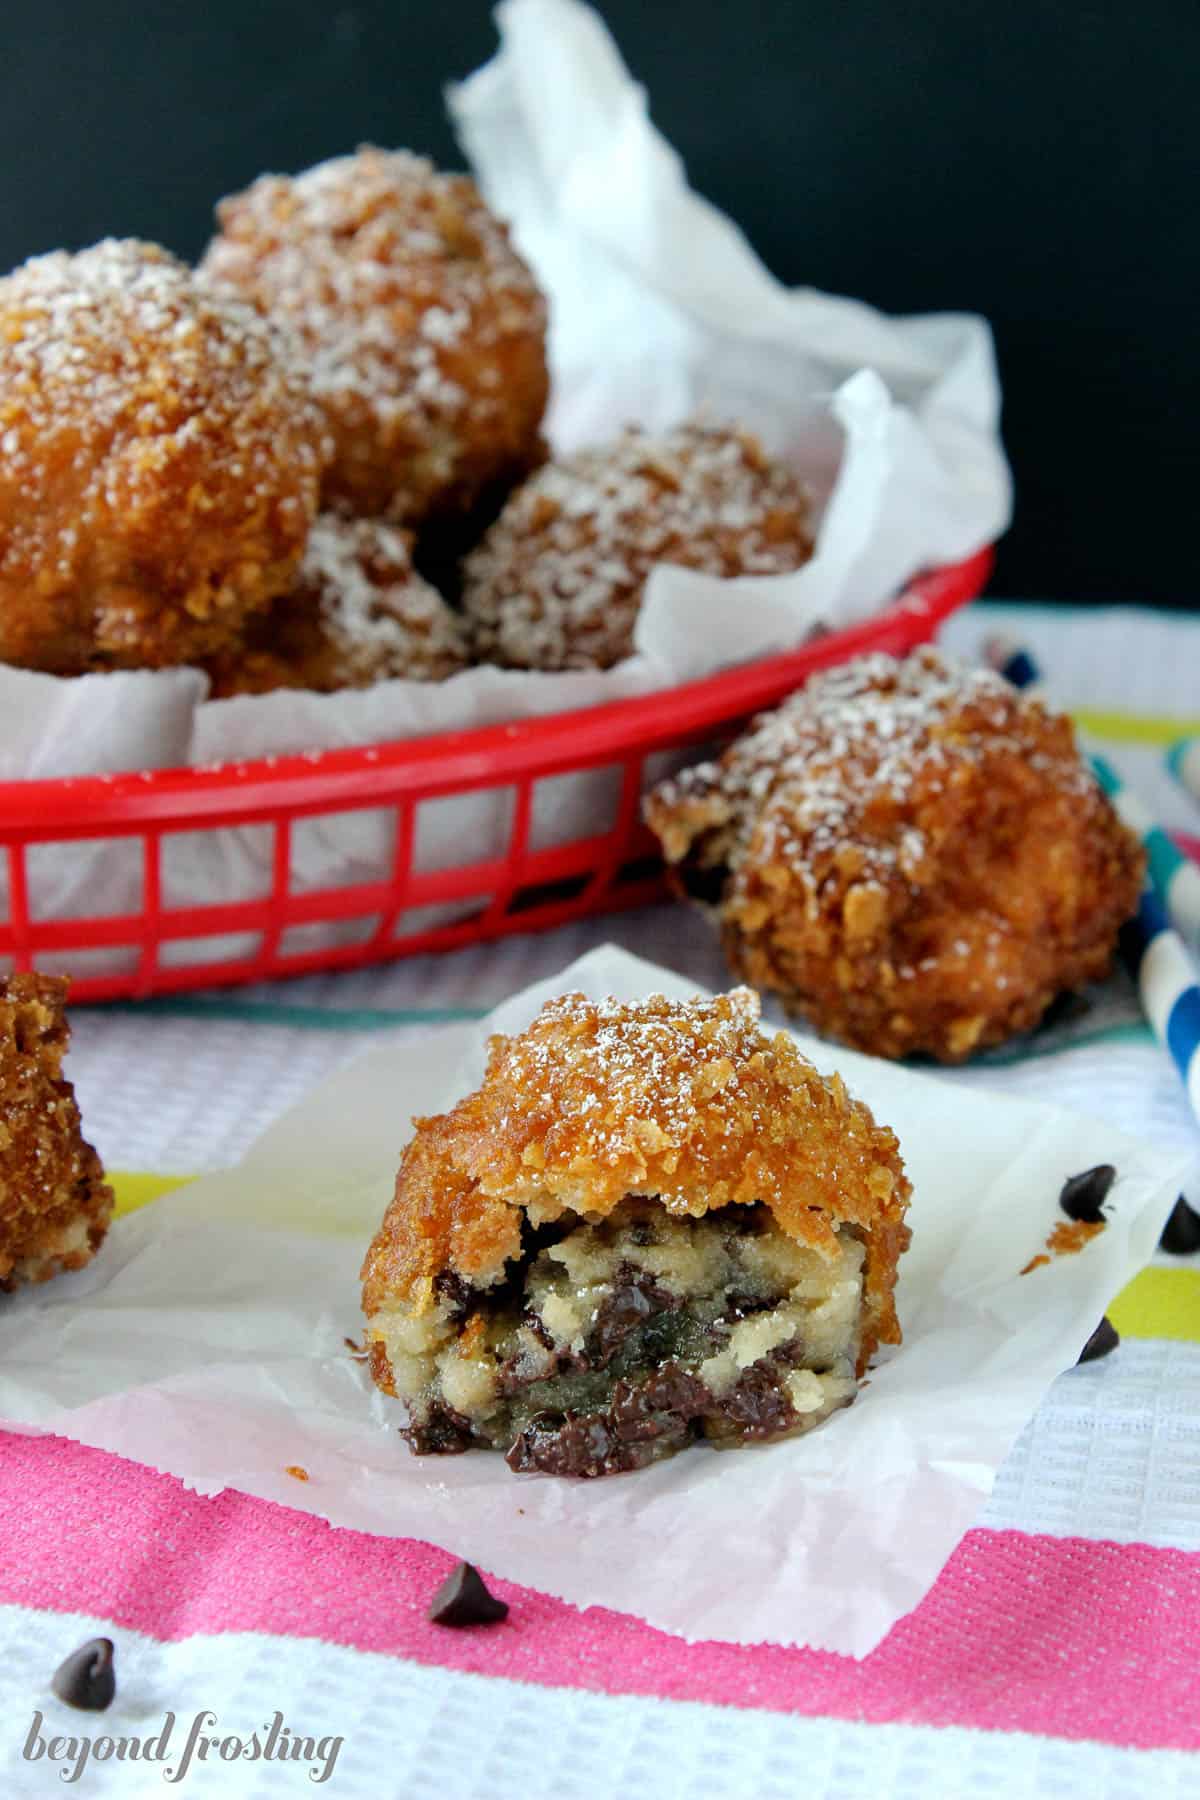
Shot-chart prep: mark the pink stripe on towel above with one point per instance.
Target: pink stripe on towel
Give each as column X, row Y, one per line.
column 1059, row 1636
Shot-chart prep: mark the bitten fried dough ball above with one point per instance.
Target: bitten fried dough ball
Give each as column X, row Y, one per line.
column 357, row 614
column 557, row 581
column 652, row 1222
column 159, row 462
column 423, row 329
column 912, row 854
column 55, row 1204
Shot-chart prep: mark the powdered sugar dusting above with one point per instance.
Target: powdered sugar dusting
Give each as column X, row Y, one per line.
column 690, row 1101
column 358, row 613
column 913, row 854
column 408, row 299
column 836, row 771
column 621, row 1056
column 380, row 617
column 159, row 459
column 621, row 1078
column 558, row 580
column 123, row 334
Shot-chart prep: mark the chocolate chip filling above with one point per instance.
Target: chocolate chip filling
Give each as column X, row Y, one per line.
column 611, row 1343
column 438, row 1431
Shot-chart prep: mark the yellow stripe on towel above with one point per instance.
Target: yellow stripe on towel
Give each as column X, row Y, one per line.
column 133, row 1190
column 1160, row 1303
column 1133, row 728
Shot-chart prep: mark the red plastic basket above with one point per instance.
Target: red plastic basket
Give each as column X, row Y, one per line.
column 157, row 947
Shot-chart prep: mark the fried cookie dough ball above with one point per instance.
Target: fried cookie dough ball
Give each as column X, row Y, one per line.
column 557, row 581
column 55, row 1204
column 159, row 462
column 424, row 330
column 652, row 1222
column 358, row 613
column 912, row 854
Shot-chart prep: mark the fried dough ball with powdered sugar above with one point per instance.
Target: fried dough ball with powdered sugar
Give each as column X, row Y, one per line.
column 557, row 581
column 914, row 855
column 423, row 329
column 159, row 462
column 357, row 614
column 652, row 1222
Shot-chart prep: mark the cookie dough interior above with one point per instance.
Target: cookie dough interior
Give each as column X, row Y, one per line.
column 611, row 1342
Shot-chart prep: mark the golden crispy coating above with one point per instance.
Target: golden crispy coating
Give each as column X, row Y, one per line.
column 358, row 613
column 557, row 581
column 159, row 462
column 54, row 1202
column 424, row 330
column 689, row 1103
column 913, row 855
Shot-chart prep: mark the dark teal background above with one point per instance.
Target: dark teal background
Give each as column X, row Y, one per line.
column 1035, row 161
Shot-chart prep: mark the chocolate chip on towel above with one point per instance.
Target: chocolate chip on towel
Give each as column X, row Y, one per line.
column 1083, row 1195
column 1102, row 1342
column 1181, row 1233
column 87, row 1679
column 462, row 1599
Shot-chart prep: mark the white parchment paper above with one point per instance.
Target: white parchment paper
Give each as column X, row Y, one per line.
column 659, row 308
column 207, row 1340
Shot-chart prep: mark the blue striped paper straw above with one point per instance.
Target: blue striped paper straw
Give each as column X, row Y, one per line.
column 1166, row 982
column 1183, row 760
column 1174, row 877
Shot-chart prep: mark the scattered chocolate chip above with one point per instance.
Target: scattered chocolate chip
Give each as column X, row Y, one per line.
column 1102, row 1342
column 1181, row 1233
column 87, row 1679
column 463, row 1599
column 1084, row 1195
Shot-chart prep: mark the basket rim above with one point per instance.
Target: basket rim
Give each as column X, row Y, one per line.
column 482, row 756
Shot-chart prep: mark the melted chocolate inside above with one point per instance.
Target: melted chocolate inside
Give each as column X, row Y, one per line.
column 625, row 1390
